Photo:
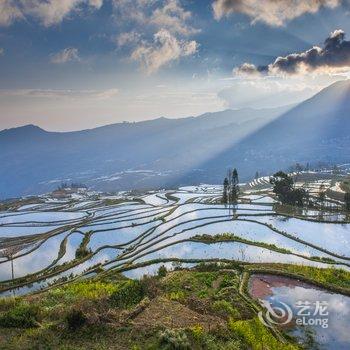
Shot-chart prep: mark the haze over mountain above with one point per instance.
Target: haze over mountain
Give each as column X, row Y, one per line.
column 169, row 152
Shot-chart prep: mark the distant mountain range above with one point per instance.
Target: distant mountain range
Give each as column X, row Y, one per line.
column 170, row 152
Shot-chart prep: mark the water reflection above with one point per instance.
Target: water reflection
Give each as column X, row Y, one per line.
column 294, row 293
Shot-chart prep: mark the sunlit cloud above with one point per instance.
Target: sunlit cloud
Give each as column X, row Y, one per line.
column 167, row 22
column 96, row 3
column 267, row 92
column 271, row 12
column 166, row 14
column 333, row 57
column 48, row 12
column 61, row 94
column 68, row 54
column 164, row 49
column 173, row 18
column 128, row 38
column 9, row 12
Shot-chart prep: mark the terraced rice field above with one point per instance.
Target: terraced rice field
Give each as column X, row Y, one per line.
column 49, row 242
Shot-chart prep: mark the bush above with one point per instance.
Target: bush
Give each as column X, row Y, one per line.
column 162, row 271
column 82, row 252
column 197, row 331
column 22, row 315
column 151, row 286
column 75, row 319
column 176, row 296
column 174, row 339
column 128, row 294
column 225, row 309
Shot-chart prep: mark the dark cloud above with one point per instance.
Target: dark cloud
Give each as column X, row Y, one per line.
column 335, row 55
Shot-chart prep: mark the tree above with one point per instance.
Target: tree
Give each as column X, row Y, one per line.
column 234, row 189
column 298, row 167
column 283, row 187
column 335, row 170
column 162, row 271
column 230, row 188
column 347, row 200
column 225, row 191
column 322, row 195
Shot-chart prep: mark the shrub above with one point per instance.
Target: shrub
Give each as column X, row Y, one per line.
column 174, row 339
column 75, row 319
column 176, row 296
column 162, row 271
column 197, row 331
column 151, row 286
column 229, row 280
column 128, row 294
column 225, row 309
column 22, row 315
column 82, row 252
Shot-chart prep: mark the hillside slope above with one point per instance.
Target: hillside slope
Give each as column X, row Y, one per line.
column 168, row 152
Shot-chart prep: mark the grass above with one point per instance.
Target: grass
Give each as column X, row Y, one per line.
column 332, row 276
column 87, row 289
column 184, row 283
column 257, row 336
column 229, row 237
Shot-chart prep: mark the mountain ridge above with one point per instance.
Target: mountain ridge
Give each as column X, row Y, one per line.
column 178, row 151
column 207, row 114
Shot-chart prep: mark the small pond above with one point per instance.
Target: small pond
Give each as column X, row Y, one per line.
column 318, row 317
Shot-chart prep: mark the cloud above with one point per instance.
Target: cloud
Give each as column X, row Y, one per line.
column 132, row 10
column 173, row 18
column 164, row 14
column 2, row 51
column 66, row 55
column 164, row 49
column 127, row 38
column 9, row 12
column 106, row 94
column 268, row 92
column 49, row 12
column 52, row 11
column 65, row 94
column 271, row 12
column 334, row 56
column 96, row 3
column 160, row 31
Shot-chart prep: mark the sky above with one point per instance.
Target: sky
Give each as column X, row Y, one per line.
column 77, row 64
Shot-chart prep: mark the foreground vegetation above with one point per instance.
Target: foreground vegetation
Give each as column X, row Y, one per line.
column 201, row 308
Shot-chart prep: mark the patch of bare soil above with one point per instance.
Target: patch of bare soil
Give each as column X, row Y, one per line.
column 170, row 314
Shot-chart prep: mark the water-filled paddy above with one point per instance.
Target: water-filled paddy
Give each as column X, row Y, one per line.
column 159, row 225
